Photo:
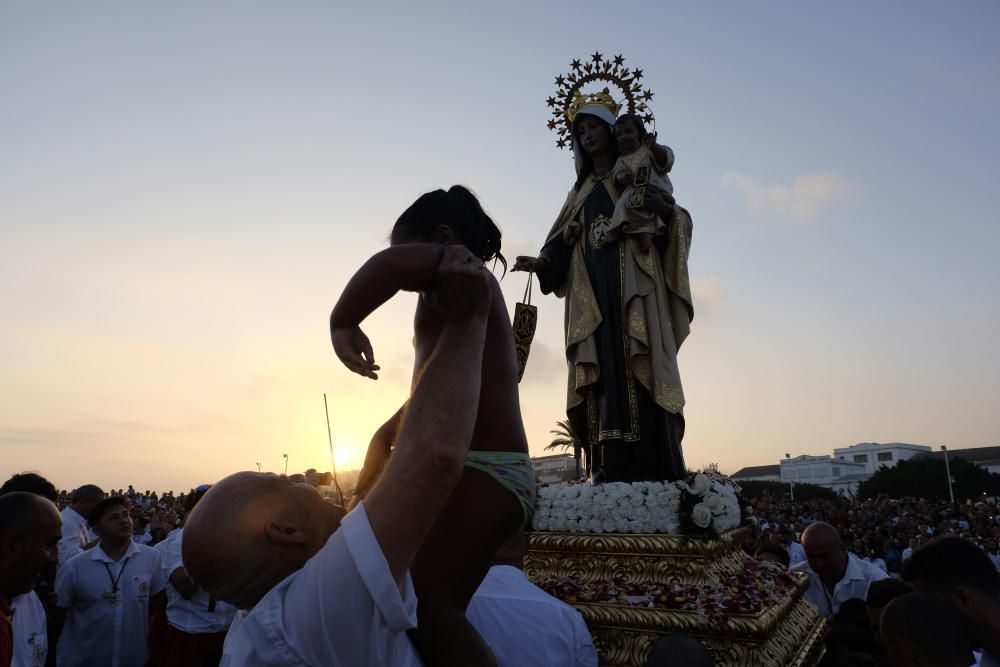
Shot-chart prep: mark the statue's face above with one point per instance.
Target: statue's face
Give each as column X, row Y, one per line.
column 593, row 135
column 627, row 136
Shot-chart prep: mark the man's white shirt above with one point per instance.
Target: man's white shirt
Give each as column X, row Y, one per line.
column 104, row 628
column 854, row 584
column 525, row 626
column 343, row 608
column 29, row 630
column 796, row 554
column 192, row 616
column 75, row 534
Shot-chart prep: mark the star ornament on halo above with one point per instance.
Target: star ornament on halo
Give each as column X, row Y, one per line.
column 599, row 82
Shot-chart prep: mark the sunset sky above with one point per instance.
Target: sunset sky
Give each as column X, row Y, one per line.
column 185, row 188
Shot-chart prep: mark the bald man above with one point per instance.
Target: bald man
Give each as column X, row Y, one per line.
column 30, row 530
column 321, row 588
column 835, row 575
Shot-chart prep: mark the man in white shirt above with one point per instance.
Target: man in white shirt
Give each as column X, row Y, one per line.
column 958, row 571
column 524, row 625
column 106, row 594
column 76, row 538
column 908, row 551
column 834, row 575
column 322, row 588
column 196, row 622
column 29, row 537
column 796, row 554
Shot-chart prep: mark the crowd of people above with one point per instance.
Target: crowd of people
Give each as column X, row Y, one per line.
column 905, row 582
column 883, row 531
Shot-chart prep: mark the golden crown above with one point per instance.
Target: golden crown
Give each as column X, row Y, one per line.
column 570, row 99
column 602, row 99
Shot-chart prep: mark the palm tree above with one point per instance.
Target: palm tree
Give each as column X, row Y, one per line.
column 566, row 438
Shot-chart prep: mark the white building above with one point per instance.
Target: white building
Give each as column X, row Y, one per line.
column 849, row 466
column 873, row 455
column 758, row 474
column 825, row 471
column 555, row 468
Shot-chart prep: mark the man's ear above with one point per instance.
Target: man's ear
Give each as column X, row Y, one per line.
column 965, row 601
column 444, row 234
column 282, row 531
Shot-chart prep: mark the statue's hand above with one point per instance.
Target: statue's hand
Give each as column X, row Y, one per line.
column 649, row 139
column 529, row 264
column 572, row 233
column 659, row 203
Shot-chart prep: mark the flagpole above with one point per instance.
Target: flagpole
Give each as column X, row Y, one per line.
column 329, row 439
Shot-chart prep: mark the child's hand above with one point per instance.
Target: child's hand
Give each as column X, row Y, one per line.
column 646, row 240
column 355, row 350
column 649, row 139
column 623, row 177
column 462, row 289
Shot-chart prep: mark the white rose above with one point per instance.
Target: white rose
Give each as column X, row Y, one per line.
column 594, row 526
column 700, row 486
column 701, row 515
column 720, row 524
column 715, row 503
column 570, row 492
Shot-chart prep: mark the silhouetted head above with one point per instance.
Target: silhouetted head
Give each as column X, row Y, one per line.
column 30, row 529
column 450, row 217
column 921, row 630
column 961, row 573
column 30, row 482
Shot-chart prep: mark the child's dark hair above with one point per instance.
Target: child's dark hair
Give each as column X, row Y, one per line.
column 459, row 209
column 633, row 118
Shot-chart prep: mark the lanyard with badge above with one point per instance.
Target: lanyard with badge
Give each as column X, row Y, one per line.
column 113, row 595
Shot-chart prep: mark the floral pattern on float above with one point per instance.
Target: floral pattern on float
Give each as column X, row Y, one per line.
column 706, row 505
column 758, row 586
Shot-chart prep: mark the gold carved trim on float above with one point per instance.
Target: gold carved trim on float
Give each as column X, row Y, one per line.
column 788, row 632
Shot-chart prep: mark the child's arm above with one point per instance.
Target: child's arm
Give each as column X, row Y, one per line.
column 378, row 454
column 663, row 156
column 410, row 267
column 623, row 175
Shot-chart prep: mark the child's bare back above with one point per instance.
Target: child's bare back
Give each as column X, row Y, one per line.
column 499, row 427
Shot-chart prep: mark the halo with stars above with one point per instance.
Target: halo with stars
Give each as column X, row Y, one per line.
column 597, row 68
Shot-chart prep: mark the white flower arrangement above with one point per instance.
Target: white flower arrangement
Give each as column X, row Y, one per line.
column 710, row 503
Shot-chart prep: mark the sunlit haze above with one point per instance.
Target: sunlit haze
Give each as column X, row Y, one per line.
column 186, row 187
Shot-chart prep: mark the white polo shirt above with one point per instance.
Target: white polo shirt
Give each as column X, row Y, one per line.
column 796, row 553
column 31, row 642
column 192, row 616
column 75, row 534
column 854, row 584
column 343, row 608
column 527, row 627
column 102, row 628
